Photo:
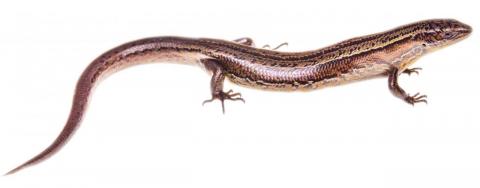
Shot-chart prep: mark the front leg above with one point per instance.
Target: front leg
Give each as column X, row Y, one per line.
column 400, row 93
column 216, row 84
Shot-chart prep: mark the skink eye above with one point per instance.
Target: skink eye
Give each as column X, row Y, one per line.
column 448, row 35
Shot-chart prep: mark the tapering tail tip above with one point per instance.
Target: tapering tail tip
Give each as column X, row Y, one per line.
column 13, row 171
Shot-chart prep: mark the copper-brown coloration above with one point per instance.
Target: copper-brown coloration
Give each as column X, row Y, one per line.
column 387, row 53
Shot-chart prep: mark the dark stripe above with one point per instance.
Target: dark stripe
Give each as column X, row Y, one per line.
column 323, row 71
column 358, row 42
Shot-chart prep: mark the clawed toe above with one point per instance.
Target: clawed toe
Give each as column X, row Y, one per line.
column 268, row 46
column 229, row 94
column 222, row 96
column 412, row 70
column 417, row 98
column 207, row 101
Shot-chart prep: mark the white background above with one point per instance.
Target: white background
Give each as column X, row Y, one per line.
column 146, row 127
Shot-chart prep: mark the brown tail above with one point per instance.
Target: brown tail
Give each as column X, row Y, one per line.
column 98, row 69
column 80, row 100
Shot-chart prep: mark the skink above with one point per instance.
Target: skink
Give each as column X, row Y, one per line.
column 388, row 53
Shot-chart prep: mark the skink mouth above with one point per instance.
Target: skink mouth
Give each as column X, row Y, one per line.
column 464, row 31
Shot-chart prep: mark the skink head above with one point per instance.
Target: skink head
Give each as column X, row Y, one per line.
column 441, row 32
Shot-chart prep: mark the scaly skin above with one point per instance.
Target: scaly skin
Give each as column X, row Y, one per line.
column 387, row 53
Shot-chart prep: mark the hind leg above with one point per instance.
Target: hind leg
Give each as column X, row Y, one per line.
column 245, row 41
column 216, row 84
column 249, row 42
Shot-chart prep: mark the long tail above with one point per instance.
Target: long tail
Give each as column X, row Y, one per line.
column 129, row 54
column 80, row 101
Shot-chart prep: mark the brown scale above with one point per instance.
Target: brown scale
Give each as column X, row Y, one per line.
column 386, row 53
